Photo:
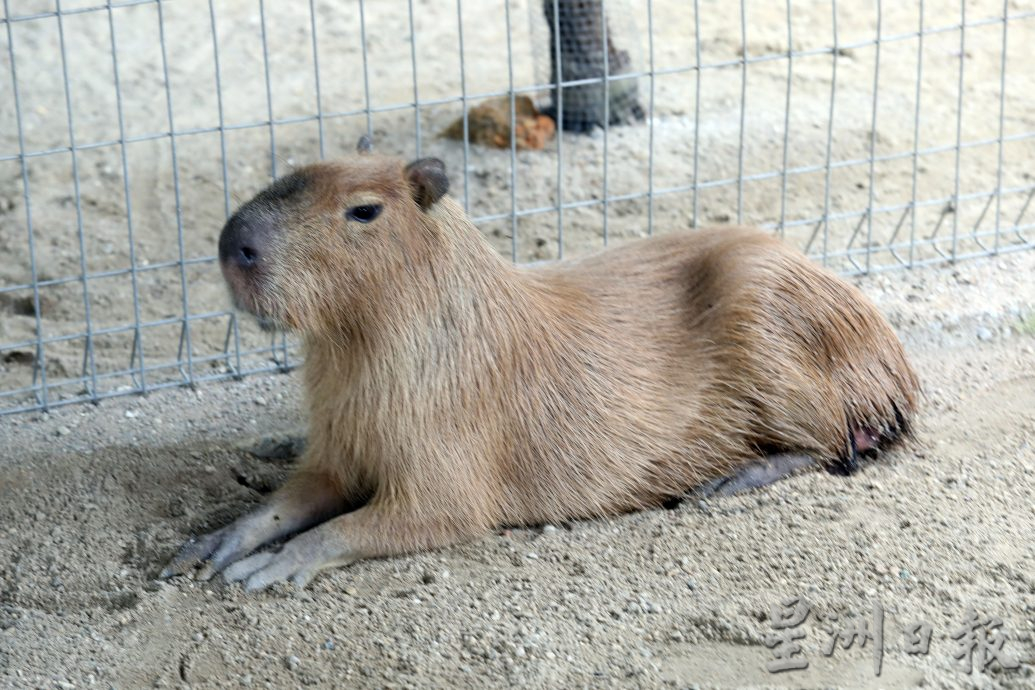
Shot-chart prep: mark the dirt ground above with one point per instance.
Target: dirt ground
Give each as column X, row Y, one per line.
column 94, row 500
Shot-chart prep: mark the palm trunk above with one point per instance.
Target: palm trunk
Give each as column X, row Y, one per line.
column 582, row 27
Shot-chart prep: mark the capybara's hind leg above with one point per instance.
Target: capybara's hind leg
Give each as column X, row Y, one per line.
column 306, row 499
column 758, row 474
column 863, row 442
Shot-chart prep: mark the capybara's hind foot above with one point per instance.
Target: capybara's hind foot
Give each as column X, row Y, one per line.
column 757, row 474
column 864, row 442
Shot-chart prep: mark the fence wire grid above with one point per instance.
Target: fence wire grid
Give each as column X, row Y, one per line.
column 872, row 135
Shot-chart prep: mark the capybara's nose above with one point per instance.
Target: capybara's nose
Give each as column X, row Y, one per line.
column 241, row 243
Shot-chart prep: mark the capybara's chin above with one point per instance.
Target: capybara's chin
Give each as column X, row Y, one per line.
column 246, row 301
column 269, row 320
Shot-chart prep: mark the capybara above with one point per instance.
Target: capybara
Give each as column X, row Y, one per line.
column 451, row 392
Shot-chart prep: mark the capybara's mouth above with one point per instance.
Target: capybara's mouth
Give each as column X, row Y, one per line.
column 245, row 289
column 268, row 322
column 242, row 290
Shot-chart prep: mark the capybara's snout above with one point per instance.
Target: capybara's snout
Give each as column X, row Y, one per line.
column 244, row 242
column 248, row 242
column 245, row 253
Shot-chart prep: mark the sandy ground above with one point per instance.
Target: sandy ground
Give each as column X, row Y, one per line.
column 132, row 190
column 93, row 500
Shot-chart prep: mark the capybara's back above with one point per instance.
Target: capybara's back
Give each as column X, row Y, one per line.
column 451, row 392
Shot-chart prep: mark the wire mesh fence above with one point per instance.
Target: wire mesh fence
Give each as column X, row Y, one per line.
column 874, row 136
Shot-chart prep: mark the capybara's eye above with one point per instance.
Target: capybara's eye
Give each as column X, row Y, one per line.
column 364, row 214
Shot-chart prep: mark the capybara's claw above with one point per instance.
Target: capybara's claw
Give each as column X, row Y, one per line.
column 231, row 548
column 208, row 555
column 192, row 554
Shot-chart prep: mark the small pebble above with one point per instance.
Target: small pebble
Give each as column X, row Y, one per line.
column 292, row 662
column 984, row 334
column 328, row 644
column 131, row 414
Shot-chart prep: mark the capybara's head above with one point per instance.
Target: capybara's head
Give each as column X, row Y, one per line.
column 304, row 251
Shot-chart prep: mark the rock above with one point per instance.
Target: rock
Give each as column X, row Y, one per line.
column 276, row 449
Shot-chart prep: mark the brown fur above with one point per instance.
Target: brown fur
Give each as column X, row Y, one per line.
column 452, row 392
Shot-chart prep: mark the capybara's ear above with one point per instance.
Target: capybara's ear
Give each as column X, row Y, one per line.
column 428, row 181
column 364, row 145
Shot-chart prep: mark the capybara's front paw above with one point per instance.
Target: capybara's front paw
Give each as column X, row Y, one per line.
column 297, row 562
column 194, row 552
column 209, row 554
column 308, row 498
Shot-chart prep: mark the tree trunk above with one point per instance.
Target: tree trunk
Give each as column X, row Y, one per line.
column 581, row 25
